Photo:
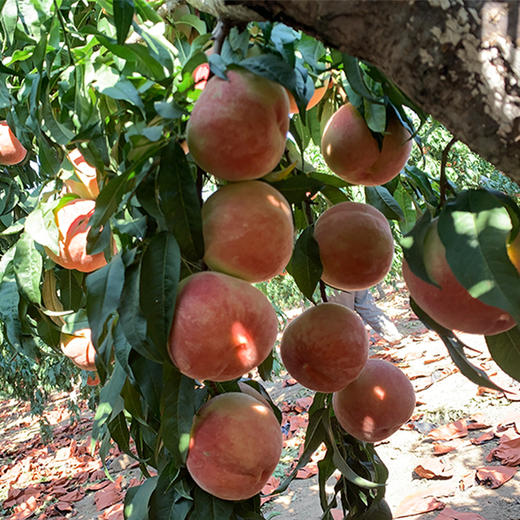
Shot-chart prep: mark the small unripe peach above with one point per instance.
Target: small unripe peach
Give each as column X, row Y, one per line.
column 325, row 348
column 11, row 149
column 377, row 403
column 356, row 246
column 248, row 231
column 222, row 327
column 235, row 446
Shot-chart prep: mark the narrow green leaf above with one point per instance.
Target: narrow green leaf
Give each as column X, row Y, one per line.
column 28, row 263
column 381, row 198
column 158, row 286
column 305, row 265
column 355, row 78
column 375, row 116
column 208, row 507
column 298, row 188
column 104, row 288
column 123, row 14
column 455, row 349
column 9, row 301
column 179, row 201
column 505, row 351
column 137, row 498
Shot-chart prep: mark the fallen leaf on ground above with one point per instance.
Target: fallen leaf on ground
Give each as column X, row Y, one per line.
column 109, row 495
column 450, row 514
column 449, row 431
column 467, row 481
column 488, row 436
column 307, row 472
column 495, row 476
column 114, row 512
column 508, row 451
column 433, row 468
column 417, row 503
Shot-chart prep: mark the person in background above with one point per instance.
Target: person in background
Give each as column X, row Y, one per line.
column 364, row 304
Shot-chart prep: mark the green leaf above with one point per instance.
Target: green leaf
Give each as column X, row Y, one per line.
column 9, row 301
column 375, row 116
column 455, row 349
column 160, row 272
column 40, row 224
column 505, row 351
column 104, row 288
column 298, row 188
column 413, row 247
column 355, row 78
column 123, row 14
column 119, row 432
column 405, row 202
column 305, row 264
column 420, row 180
column 208, row 507
column 381, row 198
column 131, row 317
column 476, row 226
column 178, row 407
column 179, row 201
column 28, row 263
column 137, row 498
column 112, row 84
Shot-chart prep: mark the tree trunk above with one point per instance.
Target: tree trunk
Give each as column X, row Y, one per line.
column 459, row 60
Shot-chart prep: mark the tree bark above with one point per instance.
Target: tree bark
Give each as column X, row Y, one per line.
column 457, row 59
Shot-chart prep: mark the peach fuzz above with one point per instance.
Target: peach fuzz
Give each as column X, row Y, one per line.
column 238, row 127
column 376, row 404
column 356, row 246
column 450, row 304
column 79, row 348
column 72, row 221
column 11, row 149
column 235, row 446
column 248, row 231
column 351, row 151
column 325, row 348
column 222, row 327
column 86, row 187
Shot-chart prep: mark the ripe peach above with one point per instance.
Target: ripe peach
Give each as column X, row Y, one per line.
column 356, row 245
column 11, row 149
column 72, row 221
column 376, row 404
column 325, row 348
column 238, row 127
column 235, row 445
column 319, row 92
column 513, row 251
column 352, row 152
column 248, row 231
column 79, row 348
column 249, row 390
column 450, row 304
column 86, row 187
column 222, row 327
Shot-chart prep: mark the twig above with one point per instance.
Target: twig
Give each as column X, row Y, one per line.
column 443, row 181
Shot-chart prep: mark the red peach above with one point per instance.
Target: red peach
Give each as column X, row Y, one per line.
column 238, row 127
column 11, row 149
column 235, row 446
column 79, row 348
column 248, row 231
column 356, row 245
column 325, row 348
column 377, row 403
column 222, row 327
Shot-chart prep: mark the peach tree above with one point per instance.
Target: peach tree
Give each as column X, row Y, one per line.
column 101, row 95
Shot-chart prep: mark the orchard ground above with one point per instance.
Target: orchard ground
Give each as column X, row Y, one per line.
column 62, row 480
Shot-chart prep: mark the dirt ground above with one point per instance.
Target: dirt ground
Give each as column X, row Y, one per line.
column 477, row 430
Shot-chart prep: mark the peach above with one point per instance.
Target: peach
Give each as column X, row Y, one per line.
column 325, row 348
column 450, row 304
column 376, row 404
column 235, row 446
column 352, row 152
column 85, row 184
column 356, row 245
column 249, row 390
column 11, row 149
column 222, row 327
column 513, row 251
column 248, row 231
column 237, row 129
column 79, row 348
column 72, row 221
column 319, row 92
